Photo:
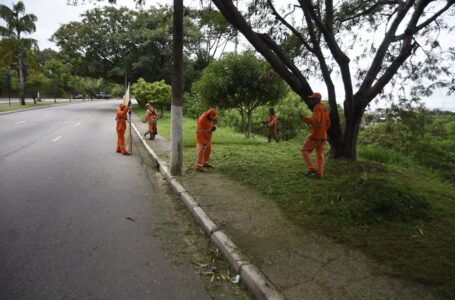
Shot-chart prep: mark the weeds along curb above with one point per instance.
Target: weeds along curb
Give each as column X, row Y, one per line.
column 250, row 275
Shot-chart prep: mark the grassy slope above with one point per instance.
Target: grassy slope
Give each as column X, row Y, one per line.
column 402, row 216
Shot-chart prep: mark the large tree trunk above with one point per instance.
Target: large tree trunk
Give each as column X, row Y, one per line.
column 351, row 131
column 21, row 78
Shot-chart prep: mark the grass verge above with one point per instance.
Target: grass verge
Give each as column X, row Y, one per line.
column 18, row 106
column 386, row 205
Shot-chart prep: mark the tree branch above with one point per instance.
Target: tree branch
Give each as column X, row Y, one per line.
column 289, row 26
column 376, row 64
column 427, row 22
column 293, row 77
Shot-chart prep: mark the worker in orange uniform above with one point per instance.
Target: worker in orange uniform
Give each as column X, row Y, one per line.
column 205, row 127
column 319, row 123
column 121, row 117
column 271, row 124
column 152, row 117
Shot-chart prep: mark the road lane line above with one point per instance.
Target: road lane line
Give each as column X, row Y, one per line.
column 78, row 123
column 57, row 138
column 20, row 122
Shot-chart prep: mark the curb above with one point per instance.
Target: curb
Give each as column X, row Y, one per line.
column 250, row 275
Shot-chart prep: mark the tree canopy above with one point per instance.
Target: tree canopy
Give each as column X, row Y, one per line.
column 242, row 82
column 15, row 48
column 369, row 45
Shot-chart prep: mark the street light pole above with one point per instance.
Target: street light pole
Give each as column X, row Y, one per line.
column 177, row 91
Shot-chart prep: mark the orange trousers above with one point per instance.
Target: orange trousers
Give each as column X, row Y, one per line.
column 203, row 154
column 121, row 141
column 307, row 148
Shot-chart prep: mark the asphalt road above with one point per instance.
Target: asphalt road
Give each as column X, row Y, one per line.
column 75, row 215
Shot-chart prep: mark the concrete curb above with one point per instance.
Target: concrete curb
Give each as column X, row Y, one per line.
column 250, row 275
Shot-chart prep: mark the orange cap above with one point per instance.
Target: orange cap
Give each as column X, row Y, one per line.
column 122, row 106
column 315, row 96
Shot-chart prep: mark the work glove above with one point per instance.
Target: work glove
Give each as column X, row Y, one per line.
column 129, row 103
column 213, row 128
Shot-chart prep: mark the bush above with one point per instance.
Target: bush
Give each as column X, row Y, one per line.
column 426, row 139
column 157, row 93
column 193, row 105
column 288, row 111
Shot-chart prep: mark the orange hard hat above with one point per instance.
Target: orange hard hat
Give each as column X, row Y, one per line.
column 122, row 106
column 315, row 96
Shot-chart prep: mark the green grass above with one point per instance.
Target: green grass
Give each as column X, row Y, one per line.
column 394, row 210
column 16, row 106
column 222, row 136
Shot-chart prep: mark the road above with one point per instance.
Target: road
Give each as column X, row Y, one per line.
column 75, row 215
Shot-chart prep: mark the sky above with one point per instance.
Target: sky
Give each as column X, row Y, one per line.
column 52, row 14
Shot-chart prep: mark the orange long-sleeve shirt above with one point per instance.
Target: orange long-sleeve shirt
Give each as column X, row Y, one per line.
column 319, row 122
column 121, row 116
column 204, row 129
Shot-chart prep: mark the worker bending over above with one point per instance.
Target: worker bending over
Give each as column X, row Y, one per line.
column 205, row 127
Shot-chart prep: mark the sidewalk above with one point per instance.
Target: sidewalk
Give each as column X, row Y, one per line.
column 299, row 264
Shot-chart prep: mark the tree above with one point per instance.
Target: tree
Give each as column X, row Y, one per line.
column 116, row 42
column 242, row 82
column 59, row 76
column 321, row 37
column 6, row 79
column 208, row 35
column 17, row 24
column 36, row 81
column 156, row 93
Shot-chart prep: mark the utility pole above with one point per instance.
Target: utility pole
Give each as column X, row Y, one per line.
column 177, row 91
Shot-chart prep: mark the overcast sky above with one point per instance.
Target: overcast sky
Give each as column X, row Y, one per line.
column 52, row 14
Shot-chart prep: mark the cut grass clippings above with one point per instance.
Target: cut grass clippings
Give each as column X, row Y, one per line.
column 397, row 213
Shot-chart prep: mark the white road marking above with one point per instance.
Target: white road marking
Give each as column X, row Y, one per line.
column 57, row 138
column 20, row 122
column 78, row 123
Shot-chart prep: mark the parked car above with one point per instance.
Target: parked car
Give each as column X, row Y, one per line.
column 79, row 96
column 102, row 95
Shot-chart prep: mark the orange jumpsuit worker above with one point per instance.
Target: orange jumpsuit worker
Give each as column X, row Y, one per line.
column 121, row 117
column 271, row 124
column 319, row 123
column 152, row 117
column 205, row 127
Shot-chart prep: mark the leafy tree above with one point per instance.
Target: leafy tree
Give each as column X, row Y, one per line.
column 371, row 45
column 117, row 90
column 36, row 81
column 115, row 43
column 208, row 36
column 156, row 93
column 242, row 82
column 6, row 81
column 59, row 76
column 15, row 46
